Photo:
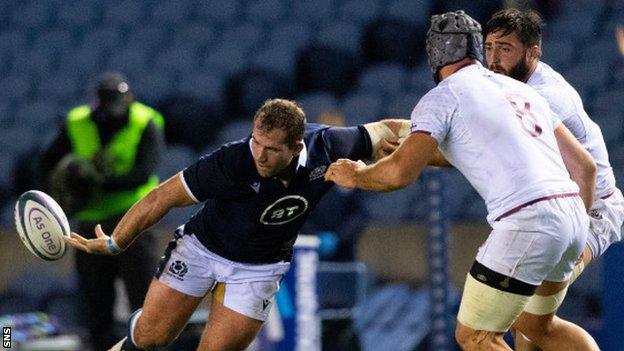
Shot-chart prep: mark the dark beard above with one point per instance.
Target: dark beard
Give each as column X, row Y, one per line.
column 520, row 72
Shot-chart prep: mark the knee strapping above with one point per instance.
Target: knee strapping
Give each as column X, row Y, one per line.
column 542, row 305
column 578, row 269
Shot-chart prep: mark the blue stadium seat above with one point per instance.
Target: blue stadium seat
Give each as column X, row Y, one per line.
column 559, row 52
column 190, row 121
column 219, row 11
column 226, row 59
column 392, row 40
column 7, row 161
column 78, row 14
column 279, row 59
column 421, row 79
column 235, row 130
column 359, row 11
column 393, row 207
column 616, row 157
column 52, row 43
column 150, row 38
column 246, row 91
column 386, row 78
column 13, row 41
column 586, row 9
column 171, row 12
column 206, row 86
column 608, row 102
column 18, row 139
column 479, row 10
column 586, row 76
column 416, row 12
column 295, row 34
column 265, row 11
column 321, row 67
column 34, row 63
column 343, row 35
column 177, row 58
column 458, row 195
column 154, row 86
column 605, row 48
column 198, row 35
column 33, row 15
column 313, row 104
column 361, row 107
column 105, row 38
column 612, row 126
column 84, row 61
column 7, row 116
column 20, row 85
column 583, row 30
column 130, row 61
column 313, row 11
column 130, row 13
column 174, row 159
column 60, row 86
column 5, row 11
column 402, row 105
column 245, row 36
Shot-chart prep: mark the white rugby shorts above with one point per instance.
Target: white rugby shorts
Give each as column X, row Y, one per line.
column 605, row 223
column 190, row 268
column 540, row 242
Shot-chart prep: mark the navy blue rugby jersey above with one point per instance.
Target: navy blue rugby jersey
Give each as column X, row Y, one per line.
column 251, row 219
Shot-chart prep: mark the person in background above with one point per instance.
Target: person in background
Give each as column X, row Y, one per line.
column 513, row 47
column 101, row 162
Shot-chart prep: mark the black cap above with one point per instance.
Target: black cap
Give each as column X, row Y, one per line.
column 113, row 82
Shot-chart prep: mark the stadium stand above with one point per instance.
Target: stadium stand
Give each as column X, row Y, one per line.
column 207, row 65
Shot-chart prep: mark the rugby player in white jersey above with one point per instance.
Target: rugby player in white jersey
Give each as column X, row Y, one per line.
column 507, row 142
column 513, row 48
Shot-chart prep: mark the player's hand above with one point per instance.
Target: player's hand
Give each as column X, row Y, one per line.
column 97, row 246
column 386, row 147
column 343, row 172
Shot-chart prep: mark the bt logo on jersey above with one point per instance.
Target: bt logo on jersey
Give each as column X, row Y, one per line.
column 284, row 210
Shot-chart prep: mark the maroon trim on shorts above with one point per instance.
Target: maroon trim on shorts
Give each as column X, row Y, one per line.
column 607, row 196
column 421, row 131
column 518, row 208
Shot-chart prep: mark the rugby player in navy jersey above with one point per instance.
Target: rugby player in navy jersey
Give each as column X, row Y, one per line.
column 257, row 193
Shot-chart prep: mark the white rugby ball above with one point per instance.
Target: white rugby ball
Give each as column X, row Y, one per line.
column 41, row 224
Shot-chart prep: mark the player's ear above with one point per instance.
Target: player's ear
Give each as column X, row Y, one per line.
column 298, row 148
column 535, row 52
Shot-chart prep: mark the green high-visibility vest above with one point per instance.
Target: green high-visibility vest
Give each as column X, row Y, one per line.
column 122, row 148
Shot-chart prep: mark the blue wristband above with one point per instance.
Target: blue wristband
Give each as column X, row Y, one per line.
column 112, row 246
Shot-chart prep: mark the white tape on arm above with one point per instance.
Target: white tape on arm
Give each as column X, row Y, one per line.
column 378, row 131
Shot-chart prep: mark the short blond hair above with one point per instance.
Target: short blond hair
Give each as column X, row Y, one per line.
column 282, row 114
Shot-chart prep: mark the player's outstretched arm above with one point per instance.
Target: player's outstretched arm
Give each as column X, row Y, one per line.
column 141, row 216
column 579, row 163
column 390, row 173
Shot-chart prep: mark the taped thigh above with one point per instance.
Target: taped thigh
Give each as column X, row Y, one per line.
column 486, row 308
column 541, row 305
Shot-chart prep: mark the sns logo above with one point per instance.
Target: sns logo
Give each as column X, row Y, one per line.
column 284, row 210
column 178, row 269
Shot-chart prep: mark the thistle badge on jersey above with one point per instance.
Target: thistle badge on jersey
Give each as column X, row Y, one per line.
column 318, row 172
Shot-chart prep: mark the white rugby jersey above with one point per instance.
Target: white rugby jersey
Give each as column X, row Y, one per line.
column 499, row 133
column 566, row 103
